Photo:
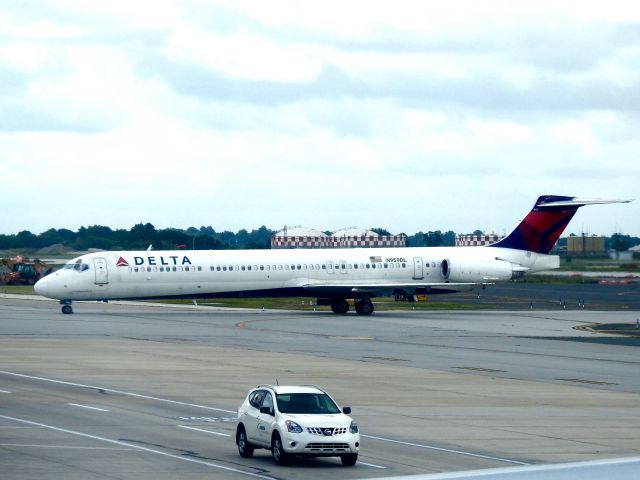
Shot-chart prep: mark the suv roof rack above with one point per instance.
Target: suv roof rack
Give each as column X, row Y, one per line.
column 267, row 385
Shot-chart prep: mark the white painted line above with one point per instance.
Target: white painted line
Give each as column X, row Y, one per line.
column 64, row 446
column 448, row 450
column 370, row 465
column 141, row 448
column 205, row 431
column 5, row 391
column 87, row 406
column 120, row 392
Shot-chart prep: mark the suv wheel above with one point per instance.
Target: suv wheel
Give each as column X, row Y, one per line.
column 245, row 449
column 277, row 451
column 349, row 459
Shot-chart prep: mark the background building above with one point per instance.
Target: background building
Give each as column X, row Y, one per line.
column 585, row 245
column 470, row 240
column 300, row 237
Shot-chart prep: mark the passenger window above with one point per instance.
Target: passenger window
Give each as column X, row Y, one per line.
column 261, row 267
column 256, row 398
column 355, row 266
column 386, row 265
column 231, row 268
column 299, row 267
column 186, row 269
column 368, row 266
column 148, row 269
column 135, row 269
column 243, row 268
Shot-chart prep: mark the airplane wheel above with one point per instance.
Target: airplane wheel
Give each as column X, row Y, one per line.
column 340, row 307
column 67, row 310
column 364, row 308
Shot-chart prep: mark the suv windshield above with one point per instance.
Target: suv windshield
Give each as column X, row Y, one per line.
column 306, row 403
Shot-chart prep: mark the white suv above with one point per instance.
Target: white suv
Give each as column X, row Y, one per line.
column 301, row 420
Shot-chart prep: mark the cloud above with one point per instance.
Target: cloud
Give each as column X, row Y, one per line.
column 413, row 116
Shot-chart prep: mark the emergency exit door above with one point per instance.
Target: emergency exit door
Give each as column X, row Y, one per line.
column 418, row 272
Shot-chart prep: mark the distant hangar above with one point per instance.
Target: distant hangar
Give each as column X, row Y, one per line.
column 351, row 237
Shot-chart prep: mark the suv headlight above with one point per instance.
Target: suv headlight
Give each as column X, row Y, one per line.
column 293, row 427
column 353, row 428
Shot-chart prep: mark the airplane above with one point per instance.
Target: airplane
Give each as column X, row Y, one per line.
column 331, row 275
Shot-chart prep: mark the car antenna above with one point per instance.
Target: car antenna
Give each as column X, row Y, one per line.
column 277, row 384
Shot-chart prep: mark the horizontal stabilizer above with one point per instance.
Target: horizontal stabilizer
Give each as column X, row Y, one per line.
column 578, row 202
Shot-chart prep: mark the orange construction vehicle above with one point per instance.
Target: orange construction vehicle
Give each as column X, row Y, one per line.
column 22, row 271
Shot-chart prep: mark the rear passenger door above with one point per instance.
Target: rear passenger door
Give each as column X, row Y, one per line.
column 251, row 417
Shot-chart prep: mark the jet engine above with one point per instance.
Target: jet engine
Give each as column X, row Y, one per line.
column 489, row 270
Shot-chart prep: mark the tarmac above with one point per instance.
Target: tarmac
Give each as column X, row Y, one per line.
column 124, row 390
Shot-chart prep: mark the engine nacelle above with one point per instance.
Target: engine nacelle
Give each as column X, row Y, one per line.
column 464, row 271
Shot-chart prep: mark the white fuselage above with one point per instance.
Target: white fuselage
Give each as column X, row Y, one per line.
column 304, row 272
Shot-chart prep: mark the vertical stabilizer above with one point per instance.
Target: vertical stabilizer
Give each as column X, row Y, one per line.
column 541, row 228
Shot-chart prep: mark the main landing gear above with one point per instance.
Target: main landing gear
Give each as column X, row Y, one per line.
column 66, row 307
column 363, row 306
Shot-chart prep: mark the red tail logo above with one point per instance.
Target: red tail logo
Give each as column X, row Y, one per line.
column 122, row 262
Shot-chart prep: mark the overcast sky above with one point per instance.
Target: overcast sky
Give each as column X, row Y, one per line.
column 235, row 114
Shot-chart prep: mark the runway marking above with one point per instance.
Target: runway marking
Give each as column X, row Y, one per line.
column 335, row 337
column 448, row 450
column 590, row 382
column 5, row 391
column 64, row 446
column 481, row 369
column 87, row 406
column 120, row 392
column 371, row 465
column 205, row 431
column 138, row 447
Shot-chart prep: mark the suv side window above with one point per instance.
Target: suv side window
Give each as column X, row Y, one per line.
column 256, row 398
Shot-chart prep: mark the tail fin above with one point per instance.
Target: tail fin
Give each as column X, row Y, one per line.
column 541, row 228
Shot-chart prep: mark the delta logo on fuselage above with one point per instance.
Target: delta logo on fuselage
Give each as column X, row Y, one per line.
column 152, row 260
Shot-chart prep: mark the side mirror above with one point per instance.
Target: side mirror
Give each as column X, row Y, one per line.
column 346, row 410
column 266, row 410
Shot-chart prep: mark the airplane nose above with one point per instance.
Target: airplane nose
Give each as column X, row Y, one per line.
column 41, row 287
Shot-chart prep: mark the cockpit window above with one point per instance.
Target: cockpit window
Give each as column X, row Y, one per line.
column 78, row 266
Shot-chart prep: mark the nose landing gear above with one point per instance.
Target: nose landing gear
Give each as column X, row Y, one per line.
column 66, row 307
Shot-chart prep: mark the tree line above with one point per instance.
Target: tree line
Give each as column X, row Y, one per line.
column 140, row 236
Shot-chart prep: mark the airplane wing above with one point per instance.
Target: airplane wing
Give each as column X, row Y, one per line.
column 387, row 288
